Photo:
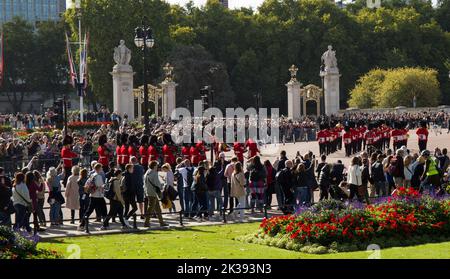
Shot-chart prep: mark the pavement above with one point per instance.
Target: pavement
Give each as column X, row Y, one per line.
column 268, row 152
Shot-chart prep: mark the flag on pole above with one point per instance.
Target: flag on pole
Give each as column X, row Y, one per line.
column 85, row 62
column 2, row 62
column 73, row 73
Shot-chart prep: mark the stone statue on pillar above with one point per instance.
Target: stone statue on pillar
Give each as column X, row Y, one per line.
column 169, row 92
column 122, row 54
column 329, row 72
column 123, row 96
column 293, row 94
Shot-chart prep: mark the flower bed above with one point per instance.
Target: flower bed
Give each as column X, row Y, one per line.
column 332, row 226
column 86, row 125
column 16, row 246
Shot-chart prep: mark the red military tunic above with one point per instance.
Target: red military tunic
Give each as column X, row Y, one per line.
column 103, row 155
column 143, row 152
column 132, row 151
column 322, row 136
column 239, row 151
column 252, row 148
column 67, row 155
column 195, row 155
column 169, row 154
column 152, row 153
column 185, row 152
column 118, row 155
column 397, row 136
column 125, row 158
column 347, row 138
column 422, row 134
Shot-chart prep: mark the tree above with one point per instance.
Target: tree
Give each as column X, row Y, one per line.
column 442, row 14
column 396, row 87
column 20, row 60
column 195, row 68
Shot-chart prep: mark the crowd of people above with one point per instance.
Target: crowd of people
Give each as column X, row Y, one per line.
column 137, row 173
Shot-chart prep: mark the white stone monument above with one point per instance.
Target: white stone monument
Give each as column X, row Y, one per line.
column 123, row 82
column 330, row 74
column 293, row 91
column 169, row 101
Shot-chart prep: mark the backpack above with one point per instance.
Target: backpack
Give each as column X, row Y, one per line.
column 109, row 189
column 189, row 176
column 89, row 186
column 392, row 169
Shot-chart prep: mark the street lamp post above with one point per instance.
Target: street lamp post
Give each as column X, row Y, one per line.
column 143, row 40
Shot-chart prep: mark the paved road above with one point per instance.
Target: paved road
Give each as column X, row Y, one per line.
column 269, row 152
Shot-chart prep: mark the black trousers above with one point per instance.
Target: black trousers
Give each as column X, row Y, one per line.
column 131, row 200
column 422, row 145
column 324, row 189
column 289, row 199
column 95, row 203
column 115, row 207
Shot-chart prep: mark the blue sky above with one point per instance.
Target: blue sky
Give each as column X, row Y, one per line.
column 231, row 3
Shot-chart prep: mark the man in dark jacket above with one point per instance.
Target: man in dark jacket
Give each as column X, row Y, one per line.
column 5, row 199
column 377, row 176
column 278, row 190
column 285, row 179
column 324, row 181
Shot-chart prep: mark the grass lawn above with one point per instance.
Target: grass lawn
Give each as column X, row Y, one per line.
column 213, row 242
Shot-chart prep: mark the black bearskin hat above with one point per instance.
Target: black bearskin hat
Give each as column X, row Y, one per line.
column 67, row 140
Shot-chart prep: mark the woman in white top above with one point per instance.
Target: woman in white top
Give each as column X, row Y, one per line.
column 169, row 181
column 238, row 189
column 408, row 170
column 354, row 177
column 22, row 203
column 72, row 193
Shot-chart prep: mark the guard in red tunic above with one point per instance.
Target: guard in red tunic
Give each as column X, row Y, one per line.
column 153, row 154
column 397, row 136
column 125, row 157
column 104, row 154
column 386, row 136
column 200, row 146
column 252, row 148
column 185, row 152
column 118, row 153
column 355, row 136
column 347, row 139
column 143, row 152
column 169, row 150
column 322, row 139
column 195, row 155
column 404, row 131
column 133, row 149
column 422, row 134
column 239, row 151
column 370, row 139
column 67, row 156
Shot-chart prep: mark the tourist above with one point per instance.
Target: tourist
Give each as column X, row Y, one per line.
column 238, row 189
column 278, row 189
column 408, row 170
column 377, row 176
column 270, row 183
column 301, row 186
column 40, row 198
column 222, row 165
column 6, row 205
column 354, row 178
column 22, row 203
column 95, row 185
column 187, row 173
column 431, row 177
column 53, row 182
column 72, row 193
column 444, row 160
column 83, row 195
column 257, row 176
column 285, row 178
column 33, row 188
column 200, row 190
column 417, row 174
column 365, row 177
column 153, row 188
column 229, row 170
column 116, row 203
column 169, row 180
column 397, row 169
column 214, row 182
column 129, row 191
column 324, row 181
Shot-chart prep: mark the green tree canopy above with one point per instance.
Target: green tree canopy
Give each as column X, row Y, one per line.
column 396, row 87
